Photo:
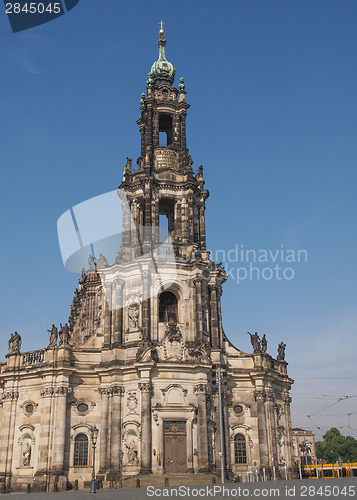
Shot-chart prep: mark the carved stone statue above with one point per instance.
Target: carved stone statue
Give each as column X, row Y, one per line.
column 255, row 342
column 14, row 343
column 64, row 334
column 102, row 262
column 91, row 263
column 132, row 452
column 281, row 351
column 264, row 344
column 53, row 337
column 26, row 455
column 128, row 166
column 133, row 312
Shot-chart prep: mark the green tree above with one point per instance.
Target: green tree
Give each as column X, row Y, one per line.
column 335, row 446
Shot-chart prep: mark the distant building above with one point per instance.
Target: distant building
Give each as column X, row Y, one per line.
column 303, row 437
column 145, row 339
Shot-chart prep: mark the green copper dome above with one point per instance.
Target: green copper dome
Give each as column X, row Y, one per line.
column 162, row 68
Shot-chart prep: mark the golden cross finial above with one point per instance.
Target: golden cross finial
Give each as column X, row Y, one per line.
column 162, row 24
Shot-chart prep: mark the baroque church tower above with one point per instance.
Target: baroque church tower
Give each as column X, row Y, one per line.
column 145, row 341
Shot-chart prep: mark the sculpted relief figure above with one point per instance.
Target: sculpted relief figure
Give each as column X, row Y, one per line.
column 132, row 452
column 26, row 455
column 133, row 312
column 14, row 343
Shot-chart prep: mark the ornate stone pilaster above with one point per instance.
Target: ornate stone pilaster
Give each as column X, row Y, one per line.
column 202, row 227
column 203, row 464
column 105, row 393
column 146, row 304
column 190, row 220
column 271, row 425
column 184, row 221
column 107, row 300
column 260, row 398
column 214, row 317
column 219, row 313
column 183, row 130
column 198, row 302
column 60, row 394
column 9, row 400
column 117, row 310
column 146, row 431
column 115, row 426
column 289, row 438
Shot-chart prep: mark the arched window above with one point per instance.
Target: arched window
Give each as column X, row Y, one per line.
column 81, row 450
column 240, row 450
column 168, row 308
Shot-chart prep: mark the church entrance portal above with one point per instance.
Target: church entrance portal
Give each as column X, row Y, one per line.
column 175, row 447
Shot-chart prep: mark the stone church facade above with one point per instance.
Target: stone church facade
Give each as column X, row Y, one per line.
column 140, row 356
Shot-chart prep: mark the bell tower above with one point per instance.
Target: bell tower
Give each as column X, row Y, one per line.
column 167, row 204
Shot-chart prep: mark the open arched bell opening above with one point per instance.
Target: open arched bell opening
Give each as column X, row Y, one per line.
column 168, row 308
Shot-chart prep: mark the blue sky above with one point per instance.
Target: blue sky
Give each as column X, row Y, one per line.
column 273, row 122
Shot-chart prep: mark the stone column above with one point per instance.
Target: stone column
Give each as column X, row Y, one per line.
column 142, row 134
column 146, row 304
column 46, row 431
column 190, row 219
column 227, row 395
column 184, row 221
column 178, row 222
column 105, row 393
column 202, row 228
column 214, row 316
column 115, row 429
column 107, row 300
column 259, row 396
column 147, row 244
column 219, row 310
column 9, row 402
column 117, row 310
column 198, row 296
column 271, row 426
column 146, row 431
column 176, row 132
column 155, row 220
column 289, row 438
column 183, row 130
column 126, row 226
column 155, row 129
column 60, row 426
column 200, row 391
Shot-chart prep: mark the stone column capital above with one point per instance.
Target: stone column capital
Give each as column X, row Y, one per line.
column 105, row 392
column 10, row 395
column 62, row 391
column 146, row 387
column 259, row 395
column 201, row 389
column 117, row 390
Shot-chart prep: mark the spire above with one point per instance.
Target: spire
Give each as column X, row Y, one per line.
column 162, row 68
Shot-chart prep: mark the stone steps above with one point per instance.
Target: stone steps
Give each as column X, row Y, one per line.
column 173, row 480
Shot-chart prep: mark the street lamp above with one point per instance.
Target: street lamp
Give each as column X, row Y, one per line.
column 94, row 435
